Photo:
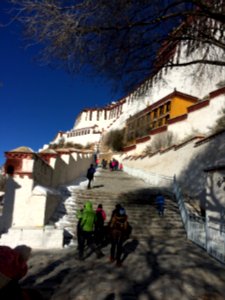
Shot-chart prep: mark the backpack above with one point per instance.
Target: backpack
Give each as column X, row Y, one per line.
column 120, row 223
column 100, row 220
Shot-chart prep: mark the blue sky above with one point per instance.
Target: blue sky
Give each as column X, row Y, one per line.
column 37, row 101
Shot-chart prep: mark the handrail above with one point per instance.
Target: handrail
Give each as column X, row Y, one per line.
column 211, row 238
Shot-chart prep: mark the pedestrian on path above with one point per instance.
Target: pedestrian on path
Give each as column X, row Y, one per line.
column 160, row 203
column 90, row 175
column 79, row 229
column 99, row 225
column 118, row 230
column 117, row 208
column 87, row 224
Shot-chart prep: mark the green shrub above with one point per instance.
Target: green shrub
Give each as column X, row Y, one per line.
column 89, row 146
column 68, row 145
column 2, row 182
column 220, row 122
column 161, row 141
column 77, row 146
column 115, row 139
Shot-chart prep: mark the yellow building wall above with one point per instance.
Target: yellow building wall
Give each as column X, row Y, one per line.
column 179, row 107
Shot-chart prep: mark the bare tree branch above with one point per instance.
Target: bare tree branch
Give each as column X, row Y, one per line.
column 123, row 39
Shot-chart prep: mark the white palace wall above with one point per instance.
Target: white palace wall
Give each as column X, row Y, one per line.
column 188, row 79
column 92, row 117
column 187, row 161
column 199, row 120
column 83, row 139
column 32, row 196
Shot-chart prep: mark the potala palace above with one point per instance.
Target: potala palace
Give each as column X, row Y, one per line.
column 178, row 102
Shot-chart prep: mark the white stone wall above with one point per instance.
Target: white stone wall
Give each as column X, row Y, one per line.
column 97, row 117
column 42, row 173
column 176, row 78
column 17, row 192
column 184, row 79
column 78, row 166
column 187, row 162
column 215, row 208
column 205, row 118
column 29, row 206
column 36, row 238
column 198, row 122
column 69, row 166
column 84, row 139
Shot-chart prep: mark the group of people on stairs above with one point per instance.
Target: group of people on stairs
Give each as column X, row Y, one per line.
column 92, row 232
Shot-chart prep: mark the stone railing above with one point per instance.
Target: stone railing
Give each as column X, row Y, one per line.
column 208, row 234
column 152, row 179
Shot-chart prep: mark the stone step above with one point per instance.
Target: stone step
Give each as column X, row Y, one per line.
column 139, row 204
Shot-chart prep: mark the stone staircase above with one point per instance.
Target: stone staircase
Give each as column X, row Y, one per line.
column 110, row 188
column 158, row 261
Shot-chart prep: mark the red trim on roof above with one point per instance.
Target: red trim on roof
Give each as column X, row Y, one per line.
column 129, row 148
column 143, row 139
column 172, row 95
column 163, row 101
column 209, row 137
column 167, row 149
column 198, row 105
column 158, row 130
column 20, row 155
column 187, row 141
column 177, row 119
column 217, row 92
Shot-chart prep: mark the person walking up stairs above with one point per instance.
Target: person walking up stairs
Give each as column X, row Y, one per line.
column 86, row 235
column 118, row 228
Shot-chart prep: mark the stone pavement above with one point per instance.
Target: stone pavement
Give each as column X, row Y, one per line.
column 159, row 262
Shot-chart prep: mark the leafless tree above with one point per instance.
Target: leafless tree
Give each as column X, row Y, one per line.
column 220, row 122
column 114, row 139
column 160, row 142
column 126, row 40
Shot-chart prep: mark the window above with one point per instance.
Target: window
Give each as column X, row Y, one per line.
column 168, row 105
column 161, row 109
column 10, row 170
column 167, row 119
column 153, row 124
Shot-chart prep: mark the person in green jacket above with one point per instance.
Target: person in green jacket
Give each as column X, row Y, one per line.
column 87, row 219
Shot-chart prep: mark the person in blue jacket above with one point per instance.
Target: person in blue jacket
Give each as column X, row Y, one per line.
column 160, row 203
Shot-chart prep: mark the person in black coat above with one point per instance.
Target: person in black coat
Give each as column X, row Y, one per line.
column 90, row 175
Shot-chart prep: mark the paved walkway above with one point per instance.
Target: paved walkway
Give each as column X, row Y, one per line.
column 159, row 262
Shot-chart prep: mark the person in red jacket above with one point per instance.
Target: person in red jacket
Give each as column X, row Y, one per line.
column 13, row 266
column 99, row 225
